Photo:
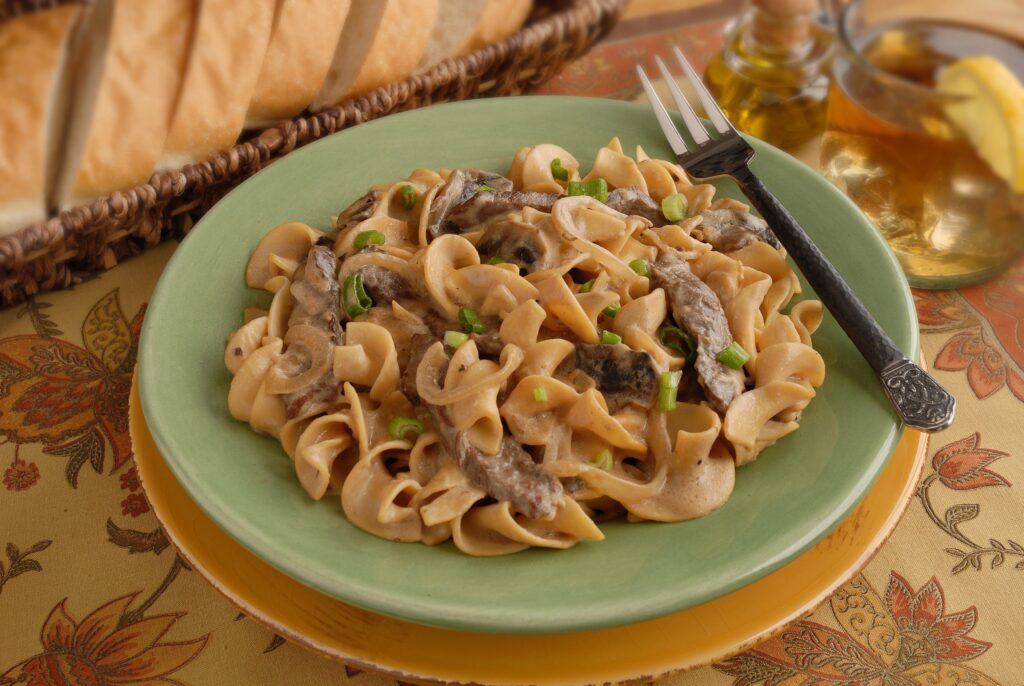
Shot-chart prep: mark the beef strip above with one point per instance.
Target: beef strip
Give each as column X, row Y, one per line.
column 418, row 345
column 486, row 205
column 488, row 343
column 462, row 185
column 510, row 475
column 384, row 285
column 315, row 295
column 436, row 324
column 315, row 292
column 636, row 204
column 360, row 210
column 690, row 390
column 729, row 229
column 624, row 376
column 697, row 309
column 325, row 390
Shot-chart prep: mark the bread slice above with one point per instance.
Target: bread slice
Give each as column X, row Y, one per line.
column 383, row 41
column 228, row 46
column 500, row 19
column 306, row 32
column 33, row 50
column 457, row 23
column 129, row 64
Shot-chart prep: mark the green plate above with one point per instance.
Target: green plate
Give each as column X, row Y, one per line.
column 786, row 501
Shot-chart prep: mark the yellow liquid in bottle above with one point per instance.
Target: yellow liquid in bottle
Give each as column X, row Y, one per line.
column 778, row 96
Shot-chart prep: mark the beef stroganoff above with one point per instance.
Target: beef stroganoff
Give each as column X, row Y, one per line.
column 504, row 361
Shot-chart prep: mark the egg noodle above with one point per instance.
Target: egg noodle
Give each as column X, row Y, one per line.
column 494, row 361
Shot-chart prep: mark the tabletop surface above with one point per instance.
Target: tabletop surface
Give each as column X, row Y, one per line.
column 82, row 547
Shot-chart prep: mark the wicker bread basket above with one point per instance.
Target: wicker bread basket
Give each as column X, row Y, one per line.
column 89, row 238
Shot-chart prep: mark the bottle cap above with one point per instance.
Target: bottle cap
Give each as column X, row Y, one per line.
column 782, row 24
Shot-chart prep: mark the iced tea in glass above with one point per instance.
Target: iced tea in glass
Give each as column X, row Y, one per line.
column 890, row 147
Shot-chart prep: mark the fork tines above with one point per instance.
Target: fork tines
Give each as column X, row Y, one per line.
column 693, row 123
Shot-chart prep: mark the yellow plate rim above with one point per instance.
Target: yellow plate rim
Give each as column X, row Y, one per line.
column 699, row 635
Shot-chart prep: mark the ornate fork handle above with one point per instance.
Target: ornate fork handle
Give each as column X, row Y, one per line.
column 919, row 399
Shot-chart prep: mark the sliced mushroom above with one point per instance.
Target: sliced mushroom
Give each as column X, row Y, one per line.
column 624, row 376
column 636, row 203
column 487, row 205
column 461, row 185
column 729, row 229
column 361, row 210
column 520, row 243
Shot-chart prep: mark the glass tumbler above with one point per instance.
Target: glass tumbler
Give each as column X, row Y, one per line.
column 888, row 144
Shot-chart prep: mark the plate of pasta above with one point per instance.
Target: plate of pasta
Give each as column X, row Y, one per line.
column 480, row 366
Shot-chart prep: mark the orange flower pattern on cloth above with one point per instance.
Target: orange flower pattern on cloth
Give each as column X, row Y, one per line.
column 103, row 649
column 962, row 465
column 904, row 638
column 21, row 475
column 988, row 321
column 70, row 399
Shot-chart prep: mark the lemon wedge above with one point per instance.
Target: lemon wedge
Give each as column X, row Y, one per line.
column 991, row 113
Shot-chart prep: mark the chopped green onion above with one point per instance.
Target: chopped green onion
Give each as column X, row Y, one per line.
column 540, row 394
column 485, row 187
column 640, row 267
column 408, row 197
column 558, row 171
column 454, row 339
column 400, row 426
column 368, row 237
column 595, row 188
column 496, row 260
column 674, row 207
column 470, row 322
column 668, row 389
column 354, row 297
column 604, row 460
column 587, row 287
column 611, row 310
column 610, row 338
column 667, row 399
column 674, row 338
column 734, row 356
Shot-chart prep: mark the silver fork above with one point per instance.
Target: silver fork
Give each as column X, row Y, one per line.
column 919, row 400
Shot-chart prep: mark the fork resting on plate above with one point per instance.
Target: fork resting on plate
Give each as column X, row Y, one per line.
column 919, row 400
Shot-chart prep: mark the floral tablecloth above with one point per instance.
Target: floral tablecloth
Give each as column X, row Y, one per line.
column 92, row 593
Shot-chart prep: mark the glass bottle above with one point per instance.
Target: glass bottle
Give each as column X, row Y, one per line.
column 771, row 77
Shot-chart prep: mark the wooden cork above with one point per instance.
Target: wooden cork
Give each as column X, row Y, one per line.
column 782, row 24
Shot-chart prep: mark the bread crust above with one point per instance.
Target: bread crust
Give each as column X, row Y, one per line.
column 383, row 41
column 227, row 48
column 32, row 54
column 500, row 20
column 140, row 73
column 302, row 44
column 457, row 22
